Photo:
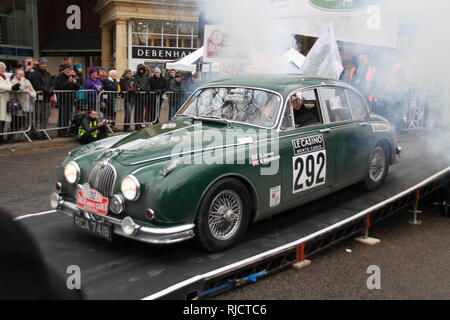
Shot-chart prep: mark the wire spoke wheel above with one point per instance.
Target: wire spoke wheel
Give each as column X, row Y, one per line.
column 225, row 215
column 377, row 165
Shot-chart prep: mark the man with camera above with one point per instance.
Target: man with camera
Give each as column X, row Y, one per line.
column 66, row 81
column 91, row 129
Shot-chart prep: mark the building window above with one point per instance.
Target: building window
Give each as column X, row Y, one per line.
column 16, row 23
column 160, row 33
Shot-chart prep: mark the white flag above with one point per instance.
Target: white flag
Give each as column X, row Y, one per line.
column 324, row 59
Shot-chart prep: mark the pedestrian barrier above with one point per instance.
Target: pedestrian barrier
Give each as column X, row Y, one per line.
column 175, row 100
column 53, row 112
column 16, row 115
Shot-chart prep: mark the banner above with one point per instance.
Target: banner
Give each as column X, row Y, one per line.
column 324, row 59
column 224, row 47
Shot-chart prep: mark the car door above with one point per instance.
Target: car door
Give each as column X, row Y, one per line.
column 349, row 134
column 307, row 154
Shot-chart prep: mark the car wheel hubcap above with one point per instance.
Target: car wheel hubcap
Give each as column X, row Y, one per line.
column 377, row 165
column 225, row 215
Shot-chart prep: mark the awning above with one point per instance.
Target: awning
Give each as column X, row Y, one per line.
column 188, row 63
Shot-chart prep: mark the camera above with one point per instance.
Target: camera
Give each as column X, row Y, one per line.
column 108, row 122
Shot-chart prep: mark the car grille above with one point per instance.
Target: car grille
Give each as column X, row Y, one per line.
column 102, row 178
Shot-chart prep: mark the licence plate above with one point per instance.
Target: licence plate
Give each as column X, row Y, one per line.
column 90, row 200
column 97, row 228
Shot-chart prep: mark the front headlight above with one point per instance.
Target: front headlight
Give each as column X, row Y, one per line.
column 72, row 172
column 130, row 188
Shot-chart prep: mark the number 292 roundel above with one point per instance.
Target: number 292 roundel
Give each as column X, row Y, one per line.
column 309, row 163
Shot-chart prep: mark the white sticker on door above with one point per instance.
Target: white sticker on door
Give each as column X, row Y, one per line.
column 275, row 196
column 309, row 171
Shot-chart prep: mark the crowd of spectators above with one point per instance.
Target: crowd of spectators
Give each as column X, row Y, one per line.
column 137, row 90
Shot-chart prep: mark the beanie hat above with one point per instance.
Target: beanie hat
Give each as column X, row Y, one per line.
column 92, row 70
column 43, row 61
column 157, row 70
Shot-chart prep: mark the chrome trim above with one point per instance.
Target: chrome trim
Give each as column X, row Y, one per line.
column 138, row 187
column 101, row 181
column 120, row 200
column 78, row 170
column 152, row 235
column 310, row 130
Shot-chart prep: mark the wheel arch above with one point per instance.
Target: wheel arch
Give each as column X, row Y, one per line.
column 254, row 203
column 388, row 146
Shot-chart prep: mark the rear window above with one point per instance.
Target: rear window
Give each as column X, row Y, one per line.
column 336, row 104
column 357, row 105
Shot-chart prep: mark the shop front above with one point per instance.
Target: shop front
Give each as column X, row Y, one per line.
column 144, row 32
column 155, row 42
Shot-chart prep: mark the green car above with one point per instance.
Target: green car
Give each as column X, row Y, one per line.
column 238, row 151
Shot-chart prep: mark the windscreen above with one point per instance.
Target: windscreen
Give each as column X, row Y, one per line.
column 251, row 106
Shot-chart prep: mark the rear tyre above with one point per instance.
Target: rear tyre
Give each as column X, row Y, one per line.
column 223, row 216
column 377, row 169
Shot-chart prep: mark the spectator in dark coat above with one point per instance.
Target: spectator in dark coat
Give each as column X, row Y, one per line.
column 157, row 82
column 111, row 85
column 127, row 86
column 42, row 80
column 143, row 87
column 66, row 81
column 175, row 95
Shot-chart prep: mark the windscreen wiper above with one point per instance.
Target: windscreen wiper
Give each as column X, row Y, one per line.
column 214, row 119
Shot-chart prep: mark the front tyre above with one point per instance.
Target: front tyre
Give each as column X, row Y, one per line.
column 224, row 215
column 378, row 168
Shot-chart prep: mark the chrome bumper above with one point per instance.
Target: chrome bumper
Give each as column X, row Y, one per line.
column 144, row 234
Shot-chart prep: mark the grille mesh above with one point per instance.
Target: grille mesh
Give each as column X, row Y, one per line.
column 102, row 178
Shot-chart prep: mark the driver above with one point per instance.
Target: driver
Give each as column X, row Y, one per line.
column 303, row 116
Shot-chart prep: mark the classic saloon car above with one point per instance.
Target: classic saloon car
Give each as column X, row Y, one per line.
column 238, row 151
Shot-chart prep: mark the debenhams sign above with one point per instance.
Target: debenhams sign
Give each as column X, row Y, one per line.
column 154, row 53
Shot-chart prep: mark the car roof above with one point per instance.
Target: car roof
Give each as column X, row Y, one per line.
column 284, row 84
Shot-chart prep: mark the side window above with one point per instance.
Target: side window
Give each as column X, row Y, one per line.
column 306, row 109
column 336, row 104
column 357, row 105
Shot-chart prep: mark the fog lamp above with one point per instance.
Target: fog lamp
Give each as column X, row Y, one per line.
column 117, row 204
column 128, row 226
column 54, row 200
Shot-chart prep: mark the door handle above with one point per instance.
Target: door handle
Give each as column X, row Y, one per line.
column 325, row 130
column 363, row 124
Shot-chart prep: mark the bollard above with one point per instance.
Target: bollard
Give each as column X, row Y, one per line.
column 415, row 211
column 366, row 239
column 301, row 261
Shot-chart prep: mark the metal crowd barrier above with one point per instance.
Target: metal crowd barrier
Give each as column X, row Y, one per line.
column 411, row 112
column 127, row 109
column 175, row 100
column 55, row 111
column 17, row 119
